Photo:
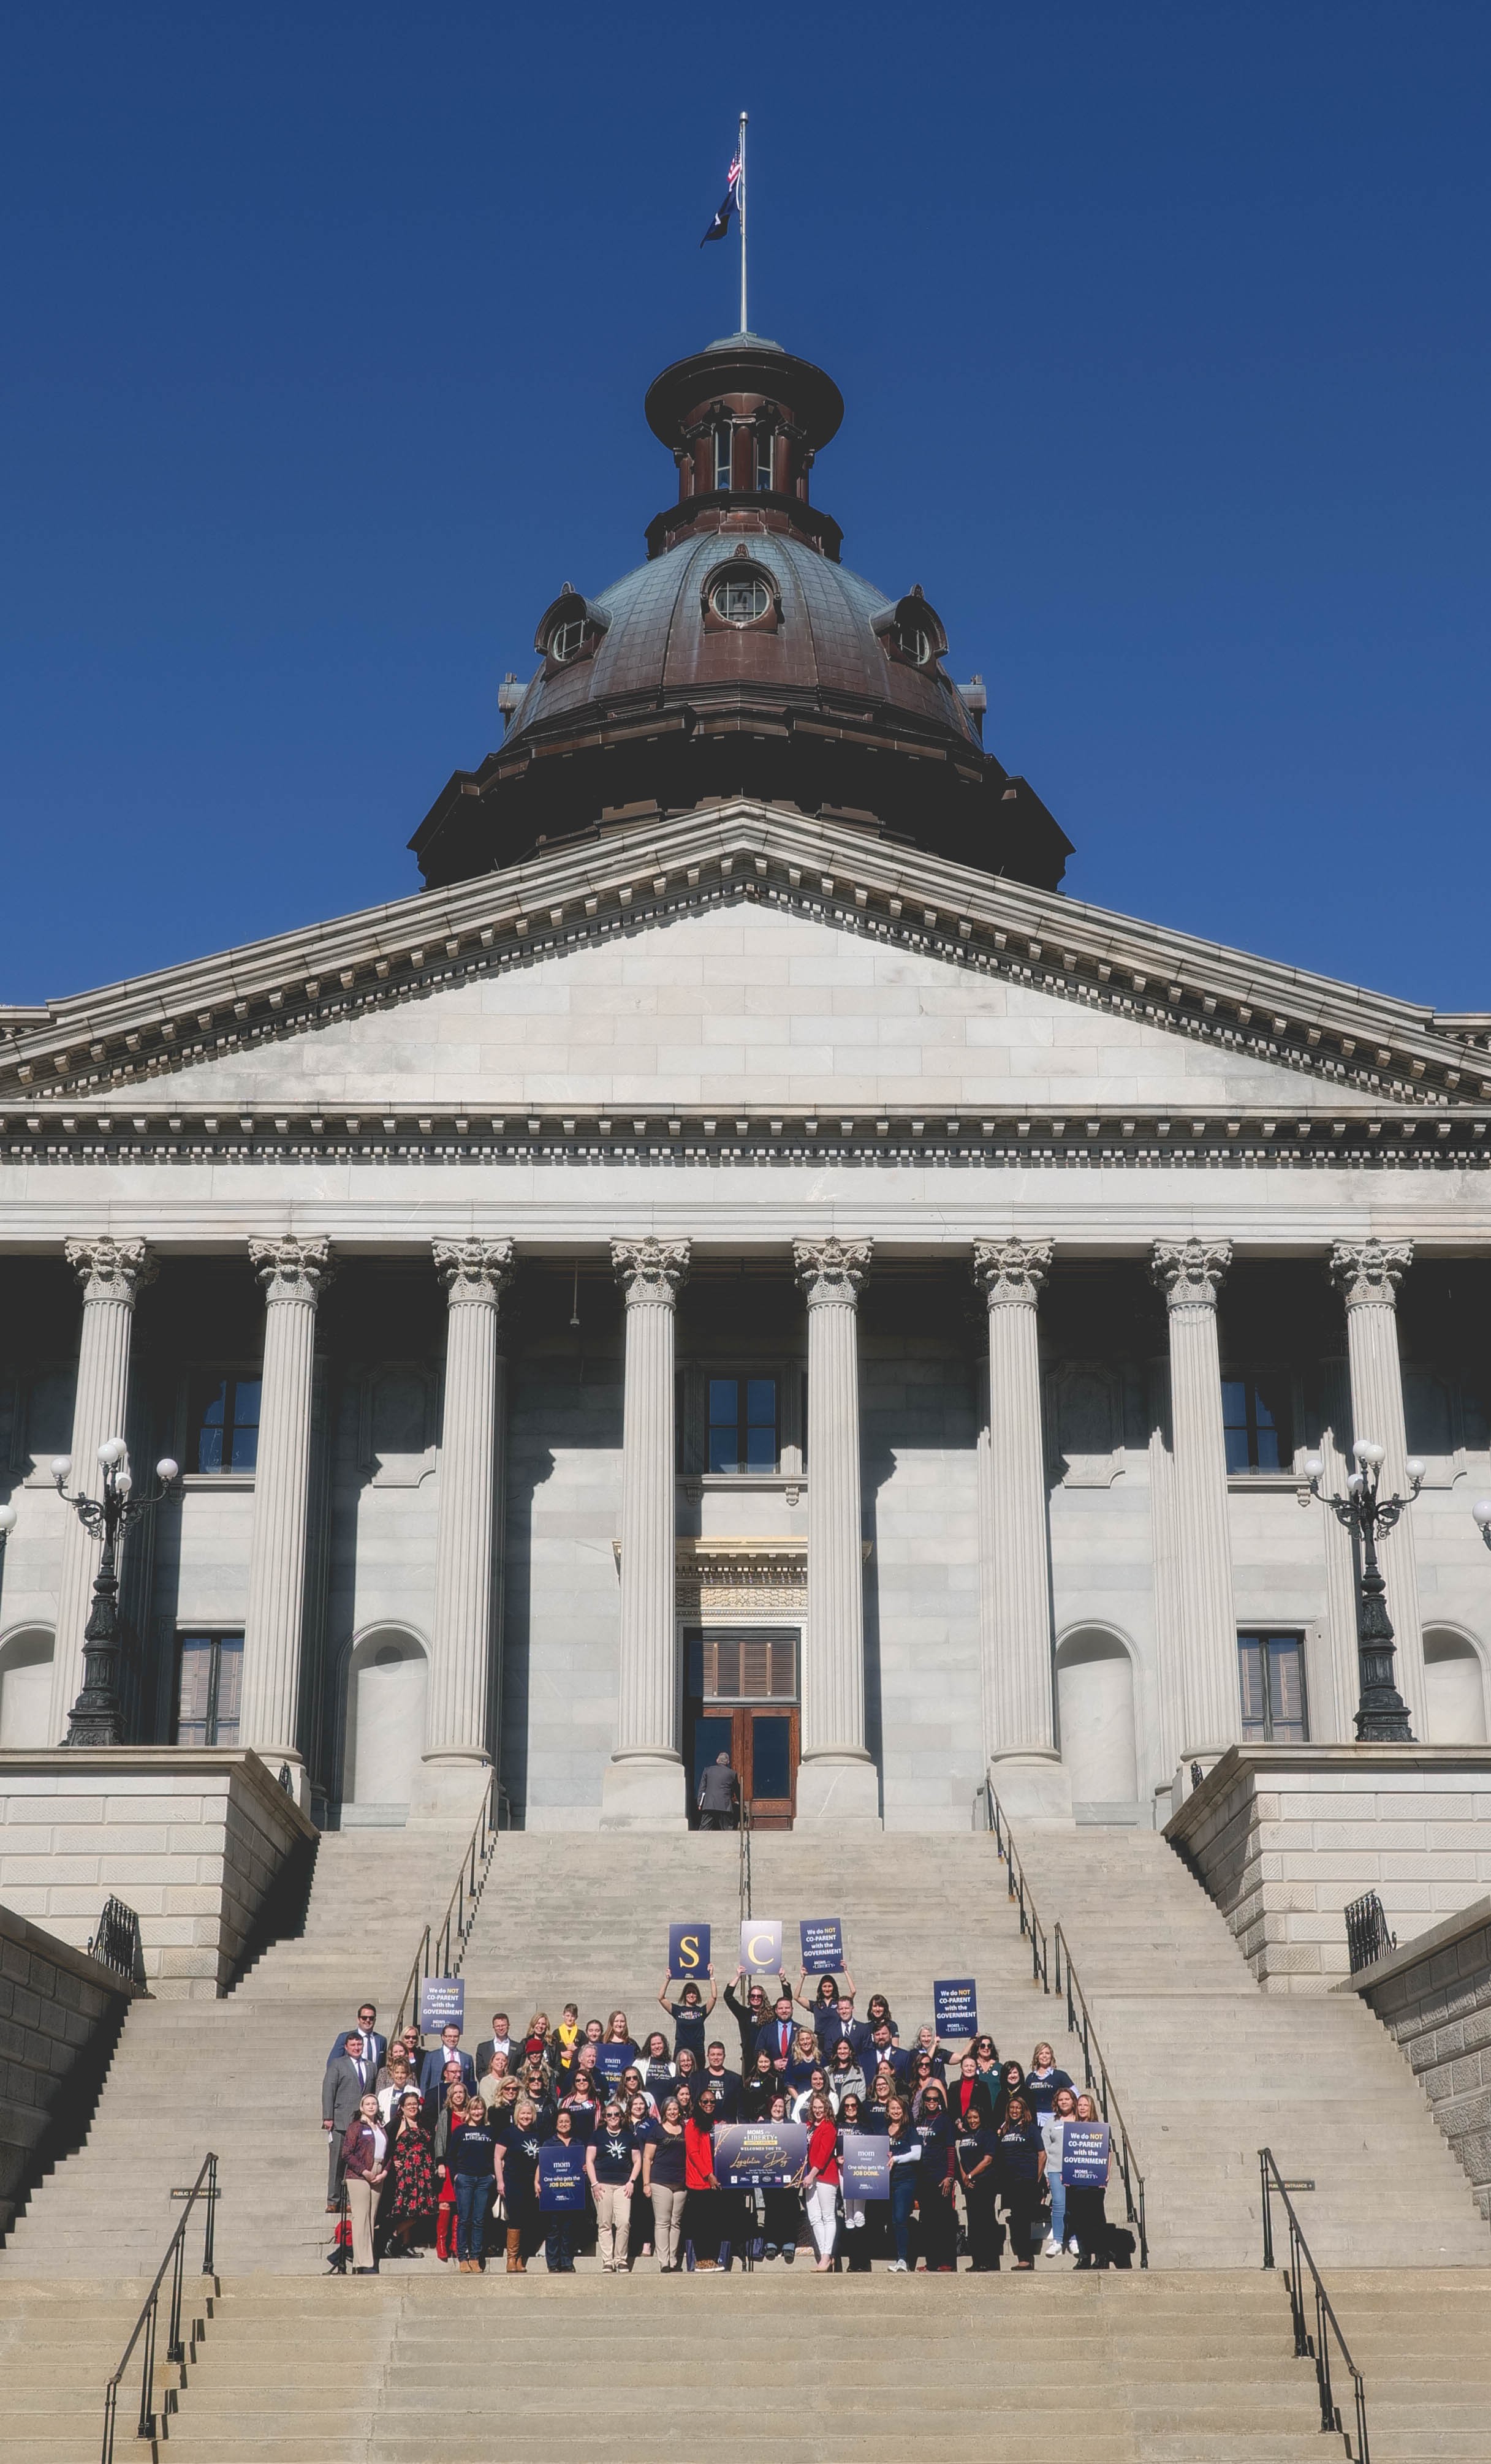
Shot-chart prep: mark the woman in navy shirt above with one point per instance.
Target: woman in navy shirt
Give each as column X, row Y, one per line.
column 518, row 2145
column 1021, row 2170
column 906, row 2167
column 688, row 2014
column 975, row 2153
column 613, row 2162
column 1042, row 2081
column 935, row 2209
column 616, row 2053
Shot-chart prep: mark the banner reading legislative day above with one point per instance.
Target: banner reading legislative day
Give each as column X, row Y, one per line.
column 560, row 2174
column 759, row 2155
column 822, row 1944
column 442, row 2003
column 864, row 2167
column 761, row 1947
column 688, row 1951
column 955, row 2007
column 1084, row 2155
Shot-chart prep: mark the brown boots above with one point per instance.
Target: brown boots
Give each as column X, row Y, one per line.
column 517, row 2264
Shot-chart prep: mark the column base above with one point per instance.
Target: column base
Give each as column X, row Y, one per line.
column 637, row 1795
column 1033, row 1787
column 446, row 1792
column 846, row 1796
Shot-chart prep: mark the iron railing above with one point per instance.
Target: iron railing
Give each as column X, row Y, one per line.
column 178, row 2353
column 442, row 1947
column 1046, row 1968
column 1366, row 1931
column 116, row 1943
column 1313, row 2345
column 744, row 1835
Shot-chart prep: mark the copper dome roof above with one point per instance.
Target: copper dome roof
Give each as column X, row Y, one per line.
column 743, row 658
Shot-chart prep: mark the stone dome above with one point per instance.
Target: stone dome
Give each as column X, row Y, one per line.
column 741, row 658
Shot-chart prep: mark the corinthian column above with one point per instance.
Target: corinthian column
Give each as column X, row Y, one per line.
column 1367, row 1274
column 1190, row 1273
column 643, row 1785
column 456, row 1757
column 294, row 1274
column 1018, row 1727
column 837, row 1781
column 112, row 1273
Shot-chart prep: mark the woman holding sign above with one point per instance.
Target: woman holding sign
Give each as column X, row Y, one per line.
column 1086, row 2219
column 1022, row 2169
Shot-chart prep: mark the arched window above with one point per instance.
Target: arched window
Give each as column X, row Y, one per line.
column 912, row 632
column 386, row 1675
column 569, row 629
column 765, row 441
column 26, row 1690
column 1455, row 1713
column 725, row 443
column 567, row 641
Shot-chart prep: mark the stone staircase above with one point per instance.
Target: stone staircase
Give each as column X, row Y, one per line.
column 1208, row 2069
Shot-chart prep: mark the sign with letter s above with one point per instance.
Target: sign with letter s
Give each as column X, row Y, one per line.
column 688, row 1951
column 761, row 1947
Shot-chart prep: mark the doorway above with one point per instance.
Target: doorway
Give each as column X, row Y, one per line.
column 740, row 1699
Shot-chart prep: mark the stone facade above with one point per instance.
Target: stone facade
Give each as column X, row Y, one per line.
column 191, row 1841
column 58, row 2008
column 1432, row 1995
column 1285, row 1836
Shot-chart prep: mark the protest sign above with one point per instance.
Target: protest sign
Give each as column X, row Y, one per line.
column 761, row 1947
column 822, row 1944
column 955, row 2007
column 759, row 2155
column 442, row 2003
column 560, row 2174
column 1084, row 2155
column 864, row 2167
column 688, row 1951
column 610, row 2060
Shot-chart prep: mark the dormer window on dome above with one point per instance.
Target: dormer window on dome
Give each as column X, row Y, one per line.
column 911, row 633
column 740, row 597
column 569, row 630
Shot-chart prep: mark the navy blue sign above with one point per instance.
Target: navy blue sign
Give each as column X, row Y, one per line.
column 560, row 2174
column 610, row 2060
column 688, row 1951
column 759, row 2155
column 955, row 2007
column 1084, row 2154
column 442, row 2003
column 864, row 2167
column 822, row 1944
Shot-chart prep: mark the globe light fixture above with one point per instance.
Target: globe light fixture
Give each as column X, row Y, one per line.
column 1382, row 1716
column 98, row 1716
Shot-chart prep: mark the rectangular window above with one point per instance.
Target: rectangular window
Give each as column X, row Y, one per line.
column 724, row 438
column 1271, row 1668
column 1257, row 1418
column 762, row 464
column 743, row 1424
column 208, row 1689
column 224, row 1423
column 744, row 1664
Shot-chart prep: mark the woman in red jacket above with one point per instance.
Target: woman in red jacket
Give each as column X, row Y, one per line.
column 820, row 2180
column 364, row 2149
column 703, row 2221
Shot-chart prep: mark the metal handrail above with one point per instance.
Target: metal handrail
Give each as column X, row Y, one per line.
column 442, row 1947
column 1020, row 1890
column 116, row 1943
column 1097, row 2083
column 744, row 1833
column 204, row 2188
column 1316, row 2348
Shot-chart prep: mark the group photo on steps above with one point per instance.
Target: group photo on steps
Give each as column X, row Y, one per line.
column 833, row 2136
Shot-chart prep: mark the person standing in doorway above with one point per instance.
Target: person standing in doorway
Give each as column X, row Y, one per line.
column 717, row 1795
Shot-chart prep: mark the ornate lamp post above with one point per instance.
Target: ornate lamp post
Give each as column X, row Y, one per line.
column 97, row 1717
column 1382, row 1716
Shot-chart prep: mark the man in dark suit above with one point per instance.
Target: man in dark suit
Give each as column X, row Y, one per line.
column 845, row 2028
column 375, row 2046
column 499, row 2042
column 726, row 2085
column 432, row 2070
column 349, row 2076
column 776, row 2036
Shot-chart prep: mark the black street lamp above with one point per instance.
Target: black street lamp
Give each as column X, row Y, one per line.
column 1382, row 1716
column 98, row 1716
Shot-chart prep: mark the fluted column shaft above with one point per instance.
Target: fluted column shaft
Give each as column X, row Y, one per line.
column 294, row 1273
column 1017, row 1669
column 838, row 1780
column 112, row 1274
column 1190, row 1273
column 475, row 1273
column 1368, row 1273
column 643, row 1785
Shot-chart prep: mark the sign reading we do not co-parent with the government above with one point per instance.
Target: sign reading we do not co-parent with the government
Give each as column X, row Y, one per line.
column 822, row 1944
column 955, row 2007
column 442, row 2003
column 1084, row 2155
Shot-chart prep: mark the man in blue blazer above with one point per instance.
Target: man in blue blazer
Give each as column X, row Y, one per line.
column 432, row 2069
column 375, row 2048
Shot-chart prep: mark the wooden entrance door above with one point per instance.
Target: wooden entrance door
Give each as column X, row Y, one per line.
column 727, row 1667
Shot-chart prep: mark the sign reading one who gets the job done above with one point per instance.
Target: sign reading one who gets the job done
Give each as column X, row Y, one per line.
column 761, row 1947
column 688, row 1951
column 560, row 2175
column 442, row 2003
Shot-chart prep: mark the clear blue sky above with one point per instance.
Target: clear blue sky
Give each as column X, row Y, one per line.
column 1163, row 334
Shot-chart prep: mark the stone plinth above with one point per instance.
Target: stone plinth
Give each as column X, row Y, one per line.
column 1432, row 1995
column 1284, row 1836
column 58, row 2008
column 191, row 1838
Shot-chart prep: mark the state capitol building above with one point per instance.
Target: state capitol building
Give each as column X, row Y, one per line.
column 742, row 1261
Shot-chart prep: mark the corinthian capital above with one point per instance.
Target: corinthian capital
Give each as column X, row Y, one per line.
column 1365, row 1271
column 832, row 1269
column 1190, row 1273
column 1011, row 1270
column 109, row 1270
column 650, row 1271
column 292, row 1270
column 474, row 1270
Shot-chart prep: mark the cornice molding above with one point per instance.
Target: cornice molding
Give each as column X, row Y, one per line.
column 111, row 1043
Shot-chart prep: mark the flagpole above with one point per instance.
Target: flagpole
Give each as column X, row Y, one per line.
column 741, row 195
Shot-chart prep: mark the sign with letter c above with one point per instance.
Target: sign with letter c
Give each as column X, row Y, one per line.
column 761, row 1947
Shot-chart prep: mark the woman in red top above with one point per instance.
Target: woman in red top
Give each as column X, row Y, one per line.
column 820, row 2180
column 703, row 2222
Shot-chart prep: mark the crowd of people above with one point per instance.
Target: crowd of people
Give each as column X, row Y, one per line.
column 431, row 2148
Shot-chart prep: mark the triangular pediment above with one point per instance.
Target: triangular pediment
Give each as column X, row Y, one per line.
column 744, row 957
